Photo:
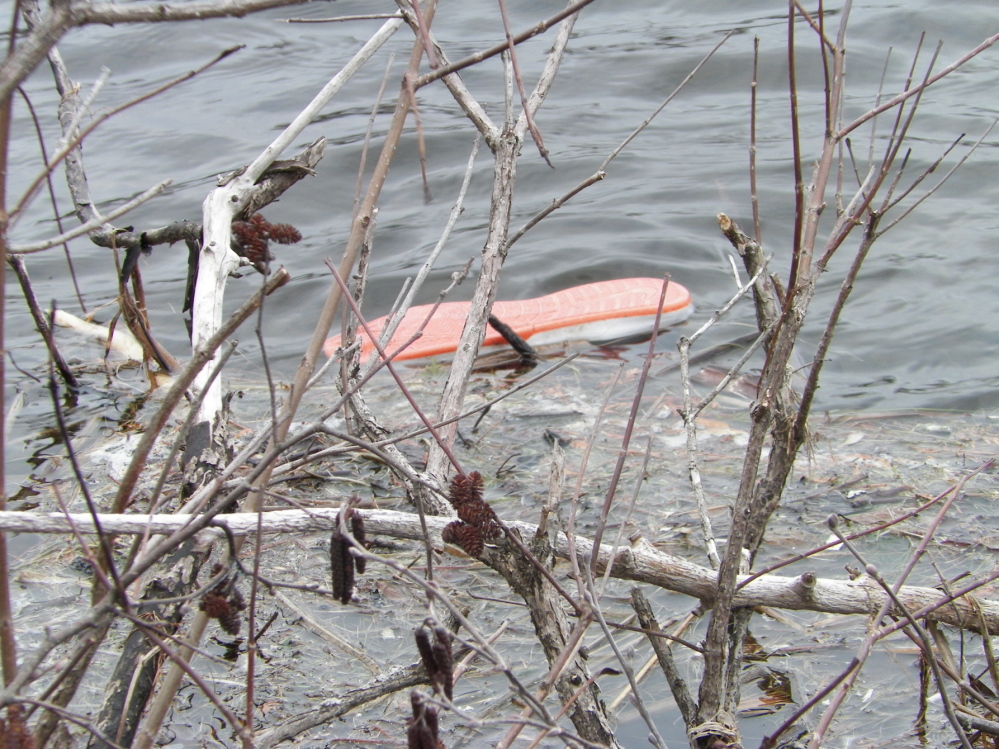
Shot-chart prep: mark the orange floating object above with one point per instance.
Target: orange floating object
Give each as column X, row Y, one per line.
column 600, row 312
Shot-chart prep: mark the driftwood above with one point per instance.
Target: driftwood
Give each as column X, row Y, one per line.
column 641, row 562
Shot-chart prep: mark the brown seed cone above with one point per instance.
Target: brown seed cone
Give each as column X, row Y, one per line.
column 465, row 536
column 214, row 604
column 444, row 660
column 250, row 238
column 15, row 733
column 425, row 648
column 465, row 488
column 250, row 242
column 424, row 725
column 231, row 622
column 479, row 514
column 418, row 736
column 284, row 233
column 430, row 718
column 280, row 233
column 434, row 645
column 236, row 600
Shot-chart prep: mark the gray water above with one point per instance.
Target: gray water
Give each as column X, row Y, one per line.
column 919, row 331
column 920, row 328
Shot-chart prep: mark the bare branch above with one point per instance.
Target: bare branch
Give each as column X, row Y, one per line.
column 95, row 223
column 641, row 563
column 498, row 49
column 894, row 102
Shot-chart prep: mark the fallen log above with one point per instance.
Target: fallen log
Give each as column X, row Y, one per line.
column 640, row 562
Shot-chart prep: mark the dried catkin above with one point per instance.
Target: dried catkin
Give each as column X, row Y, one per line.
column 341, row 566
column 434, row 645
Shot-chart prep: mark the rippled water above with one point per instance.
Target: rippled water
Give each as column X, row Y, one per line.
column 919, row 332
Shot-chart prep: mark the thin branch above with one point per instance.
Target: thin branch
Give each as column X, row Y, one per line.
column 512, row 49
column 339, row 19
column 73, row 139
column 52, row 196
column 894, row 102
column 503, row 46
column 601, row 172
column 154, row 12
column 754, row 197
column 629, row 427
column 938, row 185
column 924, row 638
column 640, row 563
column 655, row 738
column 95, row 223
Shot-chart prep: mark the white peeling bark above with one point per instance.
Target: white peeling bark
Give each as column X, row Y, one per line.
column 217, row 260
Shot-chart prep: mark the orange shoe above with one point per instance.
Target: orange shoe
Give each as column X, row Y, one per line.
column 598, row 312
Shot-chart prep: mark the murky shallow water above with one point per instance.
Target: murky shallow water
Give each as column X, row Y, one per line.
column 919, row 331
column 865, row 469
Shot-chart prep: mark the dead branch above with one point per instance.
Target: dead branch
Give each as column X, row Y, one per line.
column 498, row 49
column 62, row 16
column 100, row 228
column 225, row 203
column 330, row 709
column 506, row 149
column 665, row 656
column 16, row 263
column 640, row 563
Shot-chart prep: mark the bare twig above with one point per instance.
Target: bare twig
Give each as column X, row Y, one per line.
column 654, row 736
column 924, row 638
column 74, row 138
column 629, row 427
column 498, row 49
column 95, row 223
column 677, row 686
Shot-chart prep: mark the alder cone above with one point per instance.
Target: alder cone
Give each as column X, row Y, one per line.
column 231, row 621
column 430, row 717
column 465, row 536
column 424, row 725
column 251, row 237
column 250, row 242
column 434, row 644
column 419, row 736
column 227, row 610
column 444, row 659
column 236, row 600
column 215, row 605
column 15, row 734
column 465, row 488
column 425, row 646
column 479, row 514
